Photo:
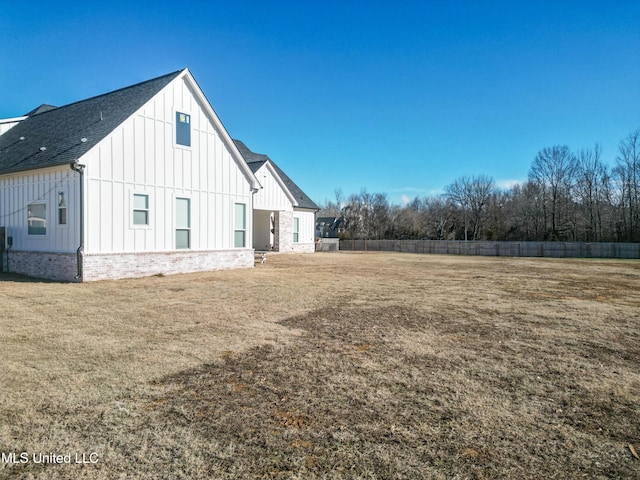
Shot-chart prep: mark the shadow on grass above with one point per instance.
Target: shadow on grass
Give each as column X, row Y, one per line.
column 384, row 393
column 18, row 278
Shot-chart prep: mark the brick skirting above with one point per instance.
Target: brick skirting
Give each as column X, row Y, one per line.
column 50, row 265
column 113, row 266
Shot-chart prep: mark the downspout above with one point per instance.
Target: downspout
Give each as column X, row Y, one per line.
column 76, row 167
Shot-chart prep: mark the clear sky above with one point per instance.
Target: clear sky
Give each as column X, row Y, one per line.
column 395, row 96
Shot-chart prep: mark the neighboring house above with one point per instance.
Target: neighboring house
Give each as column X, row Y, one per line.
column 329, row 227
column 328, row 230
column 141, row 181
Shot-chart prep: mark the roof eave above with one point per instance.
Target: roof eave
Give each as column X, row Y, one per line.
column 13, row 120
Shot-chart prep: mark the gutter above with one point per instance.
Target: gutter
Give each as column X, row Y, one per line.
column 76, row 167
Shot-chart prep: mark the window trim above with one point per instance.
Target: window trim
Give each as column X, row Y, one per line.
column 46, row 230
column 243, row 228
column 133, row 209
column 177, row 228
column 65, row 194
column 296, row 229
column 177, row 112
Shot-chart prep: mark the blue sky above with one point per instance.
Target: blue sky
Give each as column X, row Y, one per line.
column 401, row 97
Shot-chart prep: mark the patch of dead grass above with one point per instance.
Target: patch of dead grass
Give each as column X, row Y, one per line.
column 329, row 366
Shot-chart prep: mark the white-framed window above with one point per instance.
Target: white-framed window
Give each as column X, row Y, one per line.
column 140, row 213
column 37, row 218
column 183, row 129
column 62, row 201
column 183, row 223
column 240, row 232
column 296, row 229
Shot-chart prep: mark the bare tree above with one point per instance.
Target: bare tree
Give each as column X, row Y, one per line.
column 627, row 176
column 471, row 195
column 553, row 171
column 367, row 215
column 592, row 186
column 500, row 216
column 339, row 197
column 439, row 218
column 457, row 192
column 567, row 196
column 480, row 191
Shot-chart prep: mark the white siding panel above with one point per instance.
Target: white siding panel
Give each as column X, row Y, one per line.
column 108, row 214
column 114, row 152
column 210, row 218
column 224, row 172
column 178, row 169
column 149, row 151
column 219, row 220
column 307, row 226
column 128, row 151
column 271, row 196
column 218, row 166
column 226, row 214
column 117, row 224
column 18, row 190
column 141, row 156
column 159, row 153
column 103, row 164
column 187, row 171
column 210, row 162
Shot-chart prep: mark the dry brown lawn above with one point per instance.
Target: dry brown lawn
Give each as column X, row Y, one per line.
column 337, row 365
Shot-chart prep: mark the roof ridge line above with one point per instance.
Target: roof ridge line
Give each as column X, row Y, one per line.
column 139, row 84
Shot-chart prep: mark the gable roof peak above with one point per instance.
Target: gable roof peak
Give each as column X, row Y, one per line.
column 45, row 107
column 60, row 129
column 257, row 160
column 135, row 86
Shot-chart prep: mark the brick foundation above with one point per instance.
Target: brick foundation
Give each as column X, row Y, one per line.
column 303, row 247
column 113, row 266
column 144, row 264
column 50, row 265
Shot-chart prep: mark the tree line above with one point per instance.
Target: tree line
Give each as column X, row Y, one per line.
column 568, row 196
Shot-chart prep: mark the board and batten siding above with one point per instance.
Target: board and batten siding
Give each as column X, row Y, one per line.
column 271, row 196
column 19, row 190
column 307, row 230
column 307, row 225
column 141, row 157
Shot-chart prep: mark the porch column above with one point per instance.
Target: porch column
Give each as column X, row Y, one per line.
column 283, row 237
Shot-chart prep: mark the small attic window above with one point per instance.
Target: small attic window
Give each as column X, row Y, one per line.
column 183, row 129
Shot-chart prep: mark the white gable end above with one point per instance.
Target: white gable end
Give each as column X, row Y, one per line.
column 142, row 157
column 273, row 195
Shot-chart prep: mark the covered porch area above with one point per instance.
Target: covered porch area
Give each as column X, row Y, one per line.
column 272, row 230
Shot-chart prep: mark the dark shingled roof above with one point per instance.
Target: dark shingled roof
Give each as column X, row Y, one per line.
column 60, row 130
column 51, row 136
column 41, row 109
column 257, row 160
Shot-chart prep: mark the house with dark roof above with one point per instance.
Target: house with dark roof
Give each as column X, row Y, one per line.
column 283, row 215
column 140, row 181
